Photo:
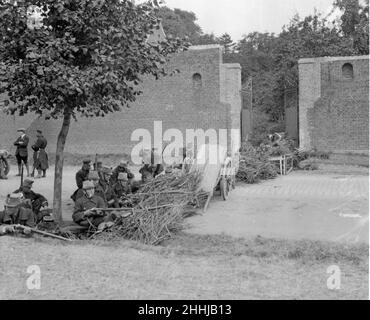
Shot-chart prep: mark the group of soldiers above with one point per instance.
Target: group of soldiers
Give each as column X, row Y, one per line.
column 23, row 206
column 103, row 188
column 98, row 188
column 40, row 157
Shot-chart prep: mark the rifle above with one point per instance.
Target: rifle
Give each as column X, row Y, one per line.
column 101, row 212
column 96, row 162
column 47, row 234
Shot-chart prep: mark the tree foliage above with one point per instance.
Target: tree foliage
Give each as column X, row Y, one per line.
column 182, row 24
column 271, row 60
column 86, row 58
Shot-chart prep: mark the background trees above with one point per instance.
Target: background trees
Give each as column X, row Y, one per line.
column 271, row 60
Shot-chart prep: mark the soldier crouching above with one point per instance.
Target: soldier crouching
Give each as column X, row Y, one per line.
column 85, row 213
column 17, row 210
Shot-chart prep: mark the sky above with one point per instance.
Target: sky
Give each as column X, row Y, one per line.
column 238, row 17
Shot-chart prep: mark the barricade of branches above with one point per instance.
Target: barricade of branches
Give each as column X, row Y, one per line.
column 158, row 209
column 254, row 165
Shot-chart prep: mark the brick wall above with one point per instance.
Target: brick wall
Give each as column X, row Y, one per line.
column 334, row 109
column 178, row 101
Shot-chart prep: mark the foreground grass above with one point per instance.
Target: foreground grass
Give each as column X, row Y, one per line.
column 185, row 267
column 302, row 251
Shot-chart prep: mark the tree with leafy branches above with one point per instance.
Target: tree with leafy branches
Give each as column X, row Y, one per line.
column 227, row 42
column 85, row 58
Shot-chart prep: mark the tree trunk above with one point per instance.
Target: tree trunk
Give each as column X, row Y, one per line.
column 59, row 158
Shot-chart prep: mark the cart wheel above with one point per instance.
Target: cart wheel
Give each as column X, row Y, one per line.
column 224, row 188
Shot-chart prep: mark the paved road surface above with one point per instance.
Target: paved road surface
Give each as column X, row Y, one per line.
column 298, row 206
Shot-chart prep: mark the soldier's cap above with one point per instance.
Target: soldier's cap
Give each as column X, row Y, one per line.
column 106, row 170
column 88, row 185
column 21, row 130
column 93, row 175
column 28, row 183
column 39, row 131
column 86, row 161
column 13, row 200
column 122, row 176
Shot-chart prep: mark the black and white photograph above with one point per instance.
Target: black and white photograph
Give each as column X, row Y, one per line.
column 184, row 151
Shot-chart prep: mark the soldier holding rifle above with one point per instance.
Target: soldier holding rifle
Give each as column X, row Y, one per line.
column 85, row 213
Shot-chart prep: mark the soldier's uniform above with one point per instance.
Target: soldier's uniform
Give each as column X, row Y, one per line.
column 37, row 200
column 121, row 188
column 22, row 152
column 153, row 170
column 102, row 189
column 152, row 165
column 122, row 168
column 40, row 157
column 84, row 203
column 17, row 210
column 81, row 176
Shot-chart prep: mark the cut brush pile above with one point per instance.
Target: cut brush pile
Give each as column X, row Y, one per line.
column 158, row 209
column 254, row 165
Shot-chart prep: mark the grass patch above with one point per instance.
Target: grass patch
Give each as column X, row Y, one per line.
column 305, row 251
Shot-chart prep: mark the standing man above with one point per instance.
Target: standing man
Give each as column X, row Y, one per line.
column 40, row 157
column 22, row 152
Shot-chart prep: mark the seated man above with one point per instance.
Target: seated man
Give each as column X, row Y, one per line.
column 38, row 201
column 99, row 190
column 121, row 188
column 81, row 176
column 105, row 175
column 84, row 212
column 122, row 167
column 152, row 165
column 17, row 210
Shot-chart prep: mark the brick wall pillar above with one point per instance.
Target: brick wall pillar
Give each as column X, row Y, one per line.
column 309, row 92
